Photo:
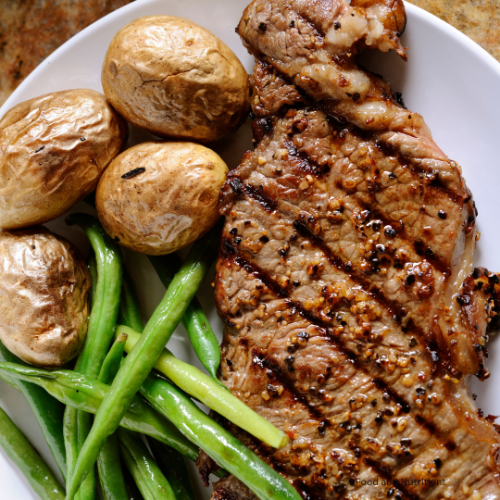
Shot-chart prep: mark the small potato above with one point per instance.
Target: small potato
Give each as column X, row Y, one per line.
column 44, row 292
column 158, row 197
column 53, row 150
column 175, row 79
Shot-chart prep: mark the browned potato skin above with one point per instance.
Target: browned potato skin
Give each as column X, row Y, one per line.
column 53, row 150
column 166, row 207
column 173, row 78
column 44, row 297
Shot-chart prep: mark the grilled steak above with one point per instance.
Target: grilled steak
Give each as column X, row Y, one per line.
column 345, row 276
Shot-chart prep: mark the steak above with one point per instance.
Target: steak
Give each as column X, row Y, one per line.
column 353, row 314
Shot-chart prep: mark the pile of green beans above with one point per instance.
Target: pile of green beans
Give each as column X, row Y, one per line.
column 140, row 361
column 105, row 306
column 199, row 429
column 22, row 453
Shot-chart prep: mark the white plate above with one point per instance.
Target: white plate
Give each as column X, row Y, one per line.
column 449, row 79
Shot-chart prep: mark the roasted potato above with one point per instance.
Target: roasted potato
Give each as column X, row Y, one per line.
column 44, row 296
column 175, row 79
column 53, row 150
column 158, row 197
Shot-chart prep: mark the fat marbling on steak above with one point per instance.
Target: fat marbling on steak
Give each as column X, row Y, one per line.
column 345, row 275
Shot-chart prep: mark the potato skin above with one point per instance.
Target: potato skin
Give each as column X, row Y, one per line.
column 168, row 205
column 53, row 150
column 44, row 296
column 175, row 79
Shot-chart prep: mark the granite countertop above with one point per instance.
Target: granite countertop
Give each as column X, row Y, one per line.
column 30, row 30
column 478, row 19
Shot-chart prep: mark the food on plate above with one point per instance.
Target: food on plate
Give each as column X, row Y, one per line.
column 158, row 197
column 353, row 313
column 44, row 289
column 53, row 150
column 175, row 79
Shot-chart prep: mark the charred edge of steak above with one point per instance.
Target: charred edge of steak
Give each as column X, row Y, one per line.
column 481, row 290
column 206, row 466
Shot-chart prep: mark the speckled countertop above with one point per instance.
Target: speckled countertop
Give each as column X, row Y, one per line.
column 30, row 30
column 478, row 19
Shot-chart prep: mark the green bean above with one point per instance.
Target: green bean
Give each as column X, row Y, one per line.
column 130, row 312
column 204, row 388
column 140, row 361
column 108, row 464
column 86, row 394
column 174, row 467
column 203, row 339
column 151, row 482
column 76, row 425
column 107, row 295
column 106, row 302
column 48, row 411
column 110, row 471
column 22, row 453
column 111, row 364
column 133, row 492
column 216, row 441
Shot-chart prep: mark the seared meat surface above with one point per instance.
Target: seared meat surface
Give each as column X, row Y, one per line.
column 345, row 276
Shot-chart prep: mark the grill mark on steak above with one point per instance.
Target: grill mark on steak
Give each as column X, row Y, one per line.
column 393, row 308
column 253, row 269
column 421, row 249
column 261, row 360
column 435, row 182
column 257, row 193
